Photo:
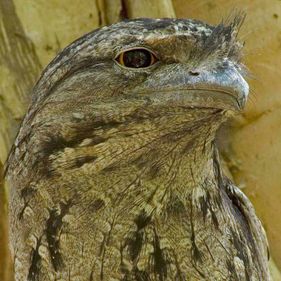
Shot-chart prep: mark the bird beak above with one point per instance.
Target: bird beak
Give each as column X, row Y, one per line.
column 223, row 88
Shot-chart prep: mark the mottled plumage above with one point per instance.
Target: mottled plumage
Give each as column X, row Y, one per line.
column 114, row 174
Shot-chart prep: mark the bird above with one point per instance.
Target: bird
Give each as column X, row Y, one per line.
column 115, row 173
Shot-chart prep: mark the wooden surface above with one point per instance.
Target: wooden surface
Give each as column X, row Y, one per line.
column 33, row 31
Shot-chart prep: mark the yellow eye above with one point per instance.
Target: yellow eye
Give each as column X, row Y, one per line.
column 136, row 58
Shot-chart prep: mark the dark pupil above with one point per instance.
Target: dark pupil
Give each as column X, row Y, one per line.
column 137, row 58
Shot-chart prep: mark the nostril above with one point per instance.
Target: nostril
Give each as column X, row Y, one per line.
column 194, row 73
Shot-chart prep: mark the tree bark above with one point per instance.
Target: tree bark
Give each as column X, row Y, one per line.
column 32, row 32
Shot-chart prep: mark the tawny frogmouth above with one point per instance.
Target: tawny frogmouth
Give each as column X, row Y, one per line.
column 114, row 174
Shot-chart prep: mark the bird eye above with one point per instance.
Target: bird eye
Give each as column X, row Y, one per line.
column 136, row 58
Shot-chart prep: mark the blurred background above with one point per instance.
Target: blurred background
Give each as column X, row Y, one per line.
column 33, row 31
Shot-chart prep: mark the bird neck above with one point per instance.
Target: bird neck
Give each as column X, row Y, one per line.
column 192, row 165
column 147, row 155
column 166, row 157
column 168, row 172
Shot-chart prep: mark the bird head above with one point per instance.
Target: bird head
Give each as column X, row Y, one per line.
column 169, row 76
column 157, row 64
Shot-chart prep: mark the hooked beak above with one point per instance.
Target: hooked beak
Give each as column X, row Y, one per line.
column 223, row 88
